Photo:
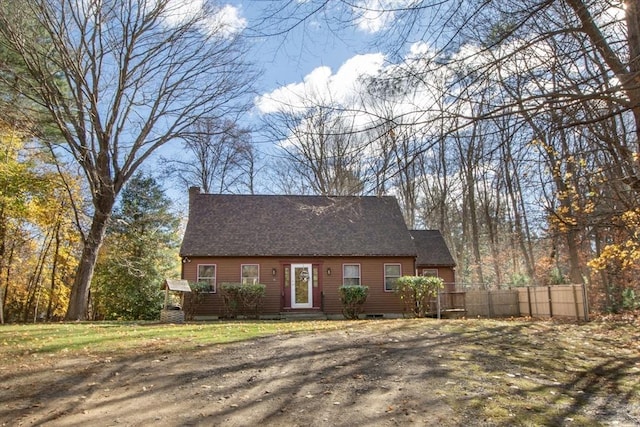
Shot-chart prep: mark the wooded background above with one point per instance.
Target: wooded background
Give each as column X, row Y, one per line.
column 512, row 127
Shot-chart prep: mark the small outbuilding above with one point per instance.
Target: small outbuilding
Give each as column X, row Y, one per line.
column 174, row 290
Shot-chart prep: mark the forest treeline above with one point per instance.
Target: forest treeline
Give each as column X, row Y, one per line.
column 512, row 128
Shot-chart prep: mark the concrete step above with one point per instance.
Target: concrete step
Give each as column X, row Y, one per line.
column 307, row 315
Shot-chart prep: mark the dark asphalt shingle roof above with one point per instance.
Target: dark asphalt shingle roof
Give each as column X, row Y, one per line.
column 432, row 249
column 272, row 225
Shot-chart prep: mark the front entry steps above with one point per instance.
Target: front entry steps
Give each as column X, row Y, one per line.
column 303, row 315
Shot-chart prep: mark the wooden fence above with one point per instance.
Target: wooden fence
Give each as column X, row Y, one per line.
column 564, row 301
column 559, row 301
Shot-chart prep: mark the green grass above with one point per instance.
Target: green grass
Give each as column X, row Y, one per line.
column 528, row 373
column 17, row 341
column 511, row 373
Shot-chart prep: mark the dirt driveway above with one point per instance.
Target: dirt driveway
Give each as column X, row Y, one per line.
column 385, row 373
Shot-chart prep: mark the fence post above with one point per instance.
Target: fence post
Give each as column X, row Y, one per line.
column 575, row 301
column 585, row 302
column 529, row 301
column 549, row 298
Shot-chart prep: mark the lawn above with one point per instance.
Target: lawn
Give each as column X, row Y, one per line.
column 382, row 372
column 124, row 338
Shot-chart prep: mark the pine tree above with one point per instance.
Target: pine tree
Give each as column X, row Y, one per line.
column 139, row 252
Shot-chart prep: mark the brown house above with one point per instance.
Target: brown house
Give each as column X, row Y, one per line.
column 434, row 258
column 303, row 248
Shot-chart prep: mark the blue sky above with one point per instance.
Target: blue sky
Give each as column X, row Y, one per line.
column 325, row 55
column 293, row 57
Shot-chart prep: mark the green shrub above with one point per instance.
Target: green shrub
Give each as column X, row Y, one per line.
column 242, row 299
column 353, row 298
column 630, row 300
column 194, row 298
column 519, row 280
column 418, row 292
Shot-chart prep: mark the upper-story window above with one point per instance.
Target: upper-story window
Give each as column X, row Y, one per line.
column 351, row 275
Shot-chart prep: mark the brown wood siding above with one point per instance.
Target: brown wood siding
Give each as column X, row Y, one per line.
column 448, row 274
column 326, row 296
column 371, row 275
column 229, row 270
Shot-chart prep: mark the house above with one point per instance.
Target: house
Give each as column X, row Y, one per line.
column 434, row 258
column 303, row 248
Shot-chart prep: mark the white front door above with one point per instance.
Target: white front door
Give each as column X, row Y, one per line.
column 301, row 286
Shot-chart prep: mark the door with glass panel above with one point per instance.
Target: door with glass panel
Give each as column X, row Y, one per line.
column 301, row 286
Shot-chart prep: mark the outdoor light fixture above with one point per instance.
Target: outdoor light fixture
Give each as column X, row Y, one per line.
column 185, row 260
column 329, row 271
column 274, row 271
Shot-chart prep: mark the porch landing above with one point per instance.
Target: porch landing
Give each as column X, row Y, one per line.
column 299, row 315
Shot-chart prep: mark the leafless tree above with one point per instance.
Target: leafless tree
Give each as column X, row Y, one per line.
column 121, row 78
column 533, row 101
column 321, row 148
column 218, row 156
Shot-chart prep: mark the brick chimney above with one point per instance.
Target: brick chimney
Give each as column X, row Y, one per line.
column 193, row 192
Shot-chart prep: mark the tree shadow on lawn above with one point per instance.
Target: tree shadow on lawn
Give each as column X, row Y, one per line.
column 543, row 374
column 379, row 372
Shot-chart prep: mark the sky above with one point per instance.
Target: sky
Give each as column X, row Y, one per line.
column 314, row 50
column 313, row 56
column 317, row 56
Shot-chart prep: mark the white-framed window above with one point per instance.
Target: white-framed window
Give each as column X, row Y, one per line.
column 391, row 273
column 429, row 272
column 207, row 274
column 351, row 274
column 250, row 274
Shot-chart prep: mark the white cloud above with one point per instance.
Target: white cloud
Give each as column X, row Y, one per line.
column 321, row 86
column 179, row 11
column 228, row 21
column 372, row 16
column 224, row 21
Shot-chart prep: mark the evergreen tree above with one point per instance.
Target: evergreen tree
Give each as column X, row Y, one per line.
column 139, row 252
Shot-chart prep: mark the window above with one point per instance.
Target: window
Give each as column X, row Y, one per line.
column 391, row 274
column 430, row 272
column 250, row 274
column 207, row 274
column 351, row 274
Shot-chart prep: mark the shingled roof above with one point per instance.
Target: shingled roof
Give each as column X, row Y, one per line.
column 432, row 249
column 272, row 225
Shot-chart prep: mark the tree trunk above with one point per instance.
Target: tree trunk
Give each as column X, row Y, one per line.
column 5, row 293
column 36, row 279
column 79, row 299
column 633, row 36
column 628, row 74
column 520, row 230
column 54, row 270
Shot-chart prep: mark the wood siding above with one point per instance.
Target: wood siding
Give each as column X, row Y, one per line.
column 379, row 301
column 326, row 295
column 229, row 270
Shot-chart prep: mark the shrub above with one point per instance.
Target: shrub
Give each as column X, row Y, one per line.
column 242, row 299
column 519, row 280
column 194, row 298
column 630, row 300
column 353, row 298
column 418, row 292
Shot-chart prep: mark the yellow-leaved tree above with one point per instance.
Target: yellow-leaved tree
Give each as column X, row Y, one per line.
column 621, row 260
column 39, row 241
